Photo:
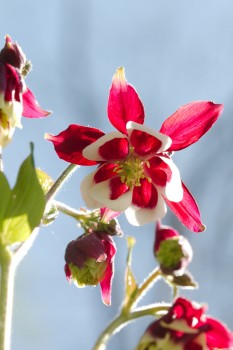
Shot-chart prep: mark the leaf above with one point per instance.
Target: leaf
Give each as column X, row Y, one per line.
column 45, row 180
column 5, row 196
column 184, row 281
column 25, row 206
column 130, row 282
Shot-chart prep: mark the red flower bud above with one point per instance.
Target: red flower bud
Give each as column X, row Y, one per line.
column 89, row 261
column 12, row 54
column 172, row 250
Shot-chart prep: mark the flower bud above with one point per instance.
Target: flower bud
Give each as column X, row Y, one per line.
column 12, row 54
column 89, row 261
column 172, row 250
column 185, row 327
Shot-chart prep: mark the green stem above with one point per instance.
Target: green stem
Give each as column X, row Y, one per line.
column 60, row 181
column 143, row 288
column 6, row 300
column 122, row 320
column 65, row 209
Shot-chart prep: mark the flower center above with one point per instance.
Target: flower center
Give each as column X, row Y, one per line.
column 131, row 170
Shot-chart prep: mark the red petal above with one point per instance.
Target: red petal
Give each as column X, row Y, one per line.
column 218, row 336
column 187, row 211
column 117, row 188
column 117, row 148
column 70, row 143
column 10, row 83
column 68, row 273
column 105, row 172
column 190, row 122
column 144, row 143
column 124, row 104
column 146, row 195
column 159, row 171
column 31, row 108
column 106, row 283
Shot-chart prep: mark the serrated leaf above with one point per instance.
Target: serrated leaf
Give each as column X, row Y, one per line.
column 25, row 207
column 184, row 281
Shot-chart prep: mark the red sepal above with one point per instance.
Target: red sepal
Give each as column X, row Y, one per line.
column 187, row 211
column 124, row 105
column 70, row 143
column 190, row 122
column 31, row 108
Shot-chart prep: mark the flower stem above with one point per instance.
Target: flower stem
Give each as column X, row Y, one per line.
column 121, row 321
column 60, row 181
column 65, row 209
column 143, row 288
column 6, row 297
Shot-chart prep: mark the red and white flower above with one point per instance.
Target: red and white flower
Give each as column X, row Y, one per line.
column 135, row 171
column 186, row 327
column 16, row 100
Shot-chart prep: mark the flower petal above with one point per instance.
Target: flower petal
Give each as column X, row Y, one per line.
column 70, row 143
column 31, row 108
column 112, row 195
column 218, row 336
column 147, row 141
column 190, row 122
column 141, row 216
column 106, row 285
column 87, row 183
column 123, row 104
column 145, row 195
column 187, row 211
column 173, row 190
column 166, row 177
column 112, row 146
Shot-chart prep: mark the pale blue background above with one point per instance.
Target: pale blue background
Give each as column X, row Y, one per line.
column 174, row 52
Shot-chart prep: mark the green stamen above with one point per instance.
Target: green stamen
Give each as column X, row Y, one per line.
column 131, row 170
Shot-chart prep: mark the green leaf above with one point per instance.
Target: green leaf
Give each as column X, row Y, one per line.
column 25, row 206
column 131, row 286
column 5, row 197
column 45, row 180
column 184, row 281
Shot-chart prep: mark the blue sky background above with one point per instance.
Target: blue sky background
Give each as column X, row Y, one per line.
column 173, row 52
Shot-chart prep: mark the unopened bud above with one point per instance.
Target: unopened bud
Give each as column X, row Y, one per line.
column 172, row 250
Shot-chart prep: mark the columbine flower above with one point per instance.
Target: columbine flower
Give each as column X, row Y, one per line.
column 136, row 173
column 172, row 250
column 15, row 98
column 89, row 261
column 186, row 327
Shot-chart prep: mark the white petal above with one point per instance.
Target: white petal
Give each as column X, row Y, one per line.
column 141, row 216
column 173, row 190
column 101, row 192
column 86, row 185
column 91, row 152
column 166, row 140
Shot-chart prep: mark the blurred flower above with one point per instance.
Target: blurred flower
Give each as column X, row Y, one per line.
column 186, row 327
column 172, row 250
column 15, row 98
column 89, row 261
column 136, row 173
